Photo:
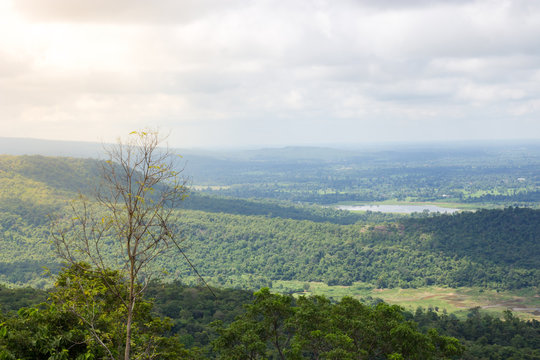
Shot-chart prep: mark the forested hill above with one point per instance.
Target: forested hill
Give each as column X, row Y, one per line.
column 250, row 243
column 510, row 237
column 35, row 186
column 59, row 173
column 445, row 250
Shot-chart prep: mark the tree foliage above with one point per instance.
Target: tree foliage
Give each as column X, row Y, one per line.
column 486, row 336
column 83, row 320
column 276, row 326
column 318, row 326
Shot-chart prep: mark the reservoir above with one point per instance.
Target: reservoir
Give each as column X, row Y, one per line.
column 403, row 209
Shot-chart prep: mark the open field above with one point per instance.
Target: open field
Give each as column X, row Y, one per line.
column 525, row 303
column 459, row 300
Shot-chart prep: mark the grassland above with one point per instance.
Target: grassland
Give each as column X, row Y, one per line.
column 525, row 303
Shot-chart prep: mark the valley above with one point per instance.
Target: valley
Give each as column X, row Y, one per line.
column 259, row 220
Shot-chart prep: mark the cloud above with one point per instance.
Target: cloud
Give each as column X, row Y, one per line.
column 13, row 66
column 405, row 4
column 121, row 11
column 223, row 72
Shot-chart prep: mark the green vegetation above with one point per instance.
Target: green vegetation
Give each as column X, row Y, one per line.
column 13, row 299
column 84, row 320
column 280, row 327
column 453, row 262
column 524, row 302
column 218, row 327
column 486, row 336
column 410, row 253
column 193, row 308
column 482, row 174
column 252, row 251
column 495, row 249
column 125, row 225
column 279, row 209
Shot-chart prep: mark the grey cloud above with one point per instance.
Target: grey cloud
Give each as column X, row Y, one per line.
column 496, row 69
column 405, row 4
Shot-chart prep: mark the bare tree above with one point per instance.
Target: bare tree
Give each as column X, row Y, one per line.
column 128, row 222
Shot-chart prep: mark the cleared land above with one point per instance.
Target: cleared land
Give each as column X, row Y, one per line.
column 525, row 303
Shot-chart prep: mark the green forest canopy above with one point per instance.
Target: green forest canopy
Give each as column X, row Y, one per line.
column 250, row 243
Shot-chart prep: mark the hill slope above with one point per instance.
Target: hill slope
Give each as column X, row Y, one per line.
column 250, row 243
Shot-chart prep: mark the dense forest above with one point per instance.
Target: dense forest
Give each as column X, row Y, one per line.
column 442, row 250
column 218, row 325
column 485, row 248
column 250, row 243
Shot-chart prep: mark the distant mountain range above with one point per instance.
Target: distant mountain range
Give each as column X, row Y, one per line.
column 30, row 146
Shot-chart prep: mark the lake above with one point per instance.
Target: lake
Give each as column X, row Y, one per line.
column 403, row 209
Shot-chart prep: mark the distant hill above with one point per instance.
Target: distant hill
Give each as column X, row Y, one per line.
column 38, row 180
column 479, row 173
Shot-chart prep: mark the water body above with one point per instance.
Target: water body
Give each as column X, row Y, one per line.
column 403, row 209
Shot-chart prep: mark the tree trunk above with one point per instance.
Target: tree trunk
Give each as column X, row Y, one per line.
column 131, row 306
column 128, row 333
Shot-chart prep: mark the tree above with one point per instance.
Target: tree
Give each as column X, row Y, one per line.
column 126, row 225
column 263, row 324
column 279, row 327
column 79, row 307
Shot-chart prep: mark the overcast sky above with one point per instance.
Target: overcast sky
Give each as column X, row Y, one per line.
column 270, row 73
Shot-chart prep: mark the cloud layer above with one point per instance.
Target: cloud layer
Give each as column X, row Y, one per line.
column 221, row 73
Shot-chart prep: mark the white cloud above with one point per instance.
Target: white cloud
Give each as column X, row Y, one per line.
column 270, row 72
column 120, row 11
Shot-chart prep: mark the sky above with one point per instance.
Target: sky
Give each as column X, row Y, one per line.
column 227, row 73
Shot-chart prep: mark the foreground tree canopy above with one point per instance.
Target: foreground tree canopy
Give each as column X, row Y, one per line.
column 249, row 326
column 83, row 320
column 280, row 327
column 273, row 326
